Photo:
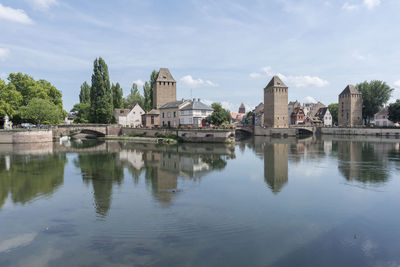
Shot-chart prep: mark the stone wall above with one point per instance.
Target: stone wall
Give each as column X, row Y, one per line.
column 26, row 136
column 147, row 132
column 359, row 131
column 279, row 132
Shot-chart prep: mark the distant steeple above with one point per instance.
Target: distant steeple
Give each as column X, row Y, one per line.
column 242, row 109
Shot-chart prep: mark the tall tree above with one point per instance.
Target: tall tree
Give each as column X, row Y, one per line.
column 101, row 103
column 117, row 95
column 394, row 111
column 333, row 109
column 134, row 97
column 82, row 112
column 148, row 97
column 84, row 95
column 10, row 100
column 153, row 78
column 219, row 115
column 375, row 94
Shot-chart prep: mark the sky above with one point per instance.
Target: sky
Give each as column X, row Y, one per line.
column 219, row 51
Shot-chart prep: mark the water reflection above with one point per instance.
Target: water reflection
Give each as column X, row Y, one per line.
column 276, row 165
column 25, row 177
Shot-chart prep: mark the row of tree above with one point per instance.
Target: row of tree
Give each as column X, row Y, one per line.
column 98, row 100
column 23, row 99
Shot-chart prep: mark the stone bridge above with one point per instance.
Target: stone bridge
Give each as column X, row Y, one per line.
column 246, row 129
column 99, row 130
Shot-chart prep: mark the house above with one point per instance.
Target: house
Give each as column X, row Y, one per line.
column 258, row 114
column 69, row 119
column 382, row 118
column 291, row 106
column 129, row 117
column 297, row 116
column 169, row 113
column 315, row 121
column 194, row 113
column 324, row 116
column 151, row 119
column 237, row 117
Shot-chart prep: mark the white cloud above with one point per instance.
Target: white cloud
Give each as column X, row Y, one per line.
column 255, row 75
column 139, row 83
column 15, row 15
column 188, row 80
column 309, row 99
column 348, row 6
column 370, row 4
column 4, row 53
column 42, row 4
column 296, row 81
column 18, row 241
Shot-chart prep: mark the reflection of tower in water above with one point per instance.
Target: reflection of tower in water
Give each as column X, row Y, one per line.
column 276, row 165
column 350, row 156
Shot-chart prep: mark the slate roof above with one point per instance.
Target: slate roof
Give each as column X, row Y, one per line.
column 173, row 104
column 164, row 76
column 276, row 82
column 321, row 113
column 350, row 89
column 197, row 105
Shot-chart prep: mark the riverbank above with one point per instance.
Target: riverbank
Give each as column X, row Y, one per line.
column 144, row 140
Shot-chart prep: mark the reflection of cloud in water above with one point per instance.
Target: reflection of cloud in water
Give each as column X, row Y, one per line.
column 16, row 242
column 43, row 258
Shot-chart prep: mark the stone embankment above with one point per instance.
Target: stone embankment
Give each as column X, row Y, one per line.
column 25, row 136
column 389, row 132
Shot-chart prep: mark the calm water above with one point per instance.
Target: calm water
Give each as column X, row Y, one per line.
column 262, row 202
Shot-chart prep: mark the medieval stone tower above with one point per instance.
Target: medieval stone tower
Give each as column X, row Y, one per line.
column 350, row 107
column 276, row 104
column 164, row 89
column 242, row 109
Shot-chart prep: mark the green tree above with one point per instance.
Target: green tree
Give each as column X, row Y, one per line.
column 84, row 95
column 248, row 119
column 394, row 111
column 117, row 95
column 10, row 100
column 42, row 111
column 148, row 97
column 219, row 115
column 333, row 109
column 82, row 112
column 375, row 94
column 134, row 97
column 101, row 103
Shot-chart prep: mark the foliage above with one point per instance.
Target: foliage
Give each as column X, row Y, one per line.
column 82, row 112
column 10, row 100
column 84, row 95
column 134, row 97
column 394, row 111
column 148, row 91
column 41, row 111
column 248, row 119
column 117, row 95
column 219, row 115
column 101, row 103
column 375, row 94
column 333, row 109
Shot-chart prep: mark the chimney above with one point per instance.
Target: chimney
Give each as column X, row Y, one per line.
column 198, row 99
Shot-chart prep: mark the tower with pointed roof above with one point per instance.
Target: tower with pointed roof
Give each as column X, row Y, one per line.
column 350, row 107
column 276, row 104
column 164, row 88
column 242, row 109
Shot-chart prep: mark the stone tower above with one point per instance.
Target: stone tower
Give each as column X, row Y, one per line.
column 276, row 104
column 242, row 109
column 350, row 107
column 164, row 89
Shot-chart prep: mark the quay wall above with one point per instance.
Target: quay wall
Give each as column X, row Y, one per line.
column 275, row 132
column 25, row 136
column 390, row 132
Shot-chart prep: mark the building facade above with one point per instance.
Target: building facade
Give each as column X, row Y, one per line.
column 324, row 116
column 276, row 104
column 350, row 107
column 297, row 116
column 382, row 118
column 169, row 113
column 164, row 88
column 195, row 113
column 129, row 117
column 151, row 119
column 291, row 106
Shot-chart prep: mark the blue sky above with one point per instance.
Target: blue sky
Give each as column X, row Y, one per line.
column 223, row 51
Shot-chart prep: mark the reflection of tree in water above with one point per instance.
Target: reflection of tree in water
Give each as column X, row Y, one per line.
column 30, row 176
column 360, row 161
column 102, row 171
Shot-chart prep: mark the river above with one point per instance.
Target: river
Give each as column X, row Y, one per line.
column 327, row 201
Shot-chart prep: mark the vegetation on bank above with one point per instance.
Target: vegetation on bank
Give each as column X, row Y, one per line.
column 24, row 99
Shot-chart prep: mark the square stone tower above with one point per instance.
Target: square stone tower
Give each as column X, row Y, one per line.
column 276, row 104
column 350, row 107
column 164, row 88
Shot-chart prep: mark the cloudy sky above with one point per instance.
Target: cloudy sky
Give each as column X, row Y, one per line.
column 217, row 50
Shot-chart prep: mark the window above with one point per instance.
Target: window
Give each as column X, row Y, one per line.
column 169, row 114
column 190, row 120
column 203, row 112
column 121, row 111
column 163, row 115
column 182, row 112
column 152, row 119
column 174, row 114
